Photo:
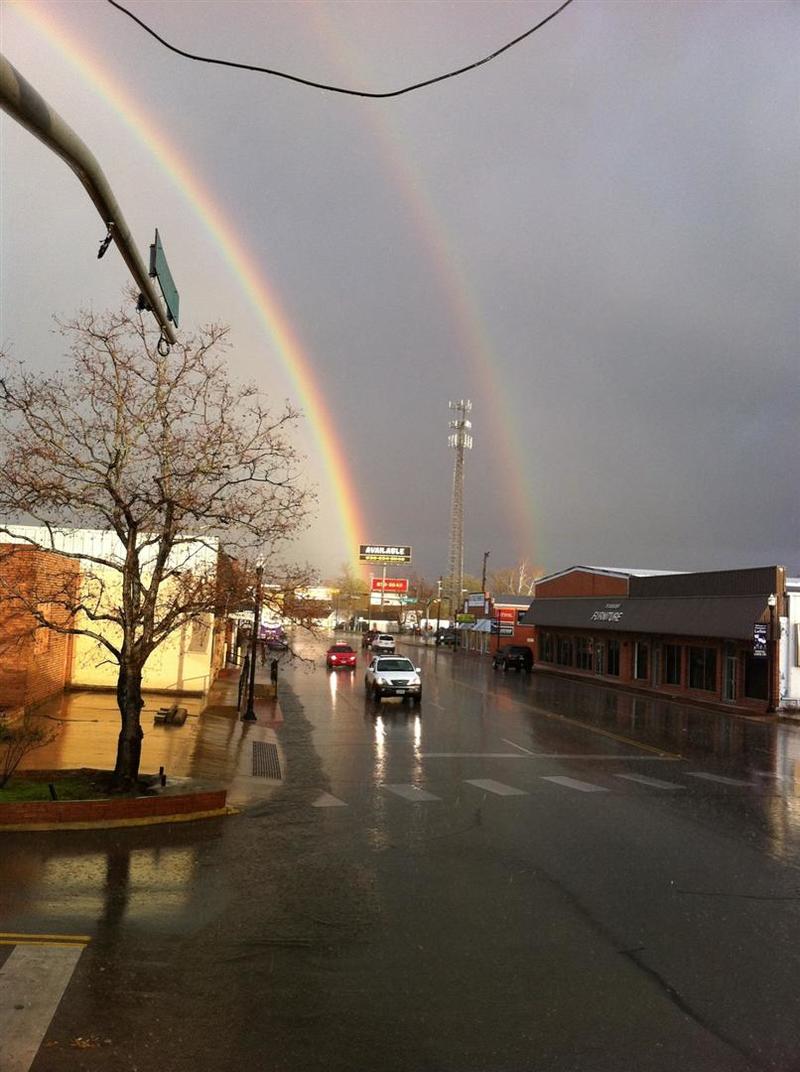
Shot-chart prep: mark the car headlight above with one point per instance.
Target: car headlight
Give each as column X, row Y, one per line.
column 415, row 680
column 381, row 681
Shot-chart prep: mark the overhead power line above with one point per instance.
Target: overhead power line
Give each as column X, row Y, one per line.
column 338, row 89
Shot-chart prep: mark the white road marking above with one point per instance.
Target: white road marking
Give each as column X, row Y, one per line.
column 32, row 982
column 411, row 792
column 514, row 744
column 654, row 782
column 717, row 778
column 326, row 800
column 573, row 783
column 497, row 788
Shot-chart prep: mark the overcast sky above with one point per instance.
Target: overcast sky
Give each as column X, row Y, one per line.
column 594, row 237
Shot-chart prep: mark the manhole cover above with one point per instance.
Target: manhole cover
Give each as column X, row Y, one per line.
column 265, row 760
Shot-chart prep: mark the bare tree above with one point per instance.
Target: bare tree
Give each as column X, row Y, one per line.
column 169, row 456
column 517, row 580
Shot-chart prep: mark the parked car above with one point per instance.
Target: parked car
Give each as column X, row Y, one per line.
column 513, row 656
column 447, row 638
column 383, row 643
column 393, row 676
column 340, row 655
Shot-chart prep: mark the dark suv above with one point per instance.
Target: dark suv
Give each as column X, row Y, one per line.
column 515, row 656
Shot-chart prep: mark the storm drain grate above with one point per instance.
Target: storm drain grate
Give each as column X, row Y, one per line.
column 265, row 760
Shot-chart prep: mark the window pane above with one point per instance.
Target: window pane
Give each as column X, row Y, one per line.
column 672, row 664
column 640, row 670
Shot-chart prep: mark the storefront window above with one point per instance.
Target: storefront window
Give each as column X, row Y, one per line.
column 565, row 651
column 612, row 667
column 672, row 664
column 755, row 677
column 547, row 648
column 640, row 660
column 703, row 669
column 583, row 653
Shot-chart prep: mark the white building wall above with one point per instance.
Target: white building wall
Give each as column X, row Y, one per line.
column 790, row 648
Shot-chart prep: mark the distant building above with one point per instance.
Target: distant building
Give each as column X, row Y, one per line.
column 707, row 637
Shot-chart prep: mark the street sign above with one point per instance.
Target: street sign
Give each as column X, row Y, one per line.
column 760, row 639
column 159, row 269
column 466, row 619
column 501, row 628
column 390, row 584
column 475, row 599
column 382, row 552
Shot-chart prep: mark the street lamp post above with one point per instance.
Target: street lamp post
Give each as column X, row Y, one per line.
column 250, row 714
column 772, row 603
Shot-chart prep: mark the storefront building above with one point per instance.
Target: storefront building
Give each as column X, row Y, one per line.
column 497, row 623
column 708, row 637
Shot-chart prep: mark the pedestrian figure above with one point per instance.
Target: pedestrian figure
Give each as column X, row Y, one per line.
column 273, row 673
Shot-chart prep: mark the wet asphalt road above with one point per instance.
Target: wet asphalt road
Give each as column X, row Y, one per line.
column 378, row 909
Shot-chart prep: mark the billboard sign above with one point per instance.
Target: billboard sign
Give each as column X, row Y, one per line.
column 390, row 584
column 383, row 552
column 760, row 639
column 475, row 599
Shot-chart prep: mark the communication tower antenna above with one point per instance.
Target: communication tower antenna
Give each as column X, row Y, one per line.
column 460, row 440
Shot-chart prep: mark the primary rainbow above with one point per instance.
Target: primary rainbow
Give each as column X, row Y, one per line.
column 251, row 276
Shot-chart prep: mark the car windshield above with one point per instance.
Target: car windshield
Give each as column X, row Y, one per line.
column 395, row 664
column 341, row 648
column 386, row 636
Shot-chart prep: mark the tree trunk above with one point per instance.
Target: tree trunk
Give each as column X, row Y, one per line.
column 129, row 742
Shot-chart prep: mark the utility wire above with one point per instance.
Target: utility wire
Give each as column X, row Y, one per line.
column 338, row 89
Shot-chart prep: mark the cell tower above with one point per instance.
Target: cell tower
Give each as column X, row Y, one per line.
column 460, row 439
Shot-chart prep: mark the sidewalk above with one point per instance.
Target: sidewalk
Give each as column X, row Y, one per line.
column 213, row 748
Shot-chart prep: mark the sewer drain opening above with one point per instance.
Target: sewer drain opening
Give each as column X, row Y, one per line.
column 265, row 760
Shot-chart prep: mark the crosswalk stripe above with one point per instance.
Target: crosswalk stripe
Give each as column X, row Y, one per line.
column 411, row 792
column 498, row 788
column 717, row 778
column 656, row 783
column 327, row 800
column 32, row 981
column 573, row 783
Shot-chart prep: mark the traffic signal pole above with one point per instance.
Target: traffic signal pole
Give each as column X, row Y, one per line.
column 31, row 110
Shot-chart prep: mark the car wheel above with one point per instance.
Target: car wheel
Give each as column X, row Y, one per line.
column 376, row 694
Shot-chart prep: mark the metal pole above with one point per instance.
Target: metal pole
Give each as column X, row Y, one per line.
column 31, row 110
column 250, row 714
column 483, row 574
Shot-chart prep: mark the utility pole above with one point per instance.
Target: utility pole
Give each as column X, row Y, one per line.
column 483, row 573
column 460, row 440
column 31, row 110
column 250, row 713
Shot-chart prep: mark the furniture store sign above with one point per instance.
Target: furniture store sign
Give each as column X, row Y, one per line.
column 612, row 612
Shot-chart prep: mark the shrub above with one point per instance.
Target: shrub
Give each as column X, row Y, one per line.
column 19, row 739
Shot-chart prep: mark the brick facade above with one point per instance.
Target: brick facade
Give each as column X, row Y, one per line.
column 34, row 662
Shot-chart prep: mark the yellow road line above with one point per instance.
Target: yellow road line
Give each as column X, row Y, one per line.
column 581, row 725
column 17, row 938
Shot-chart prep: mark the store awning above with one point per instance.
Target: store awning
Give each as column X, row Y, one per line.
column 730, row 617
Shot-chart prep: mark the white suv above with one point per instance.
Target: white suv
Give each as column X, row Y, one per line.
column 393, row 675
column 383, row 643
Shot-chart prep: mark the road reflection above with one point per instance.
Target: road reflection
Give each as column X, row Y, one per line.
column 83, row 886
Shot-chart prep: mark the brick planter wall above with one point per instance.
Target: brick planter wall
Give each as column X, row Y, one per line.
column 119, row 810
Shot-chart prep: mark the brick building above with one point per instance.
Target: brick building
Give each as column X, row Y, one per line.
column 34, row 662
column 707, row 637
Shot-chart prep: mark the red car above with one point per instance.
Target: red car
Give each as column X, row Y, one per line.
column 340, row 655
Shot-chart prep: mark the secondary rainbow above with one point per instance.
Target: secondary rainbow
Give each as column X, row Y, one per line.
column 473, row 339
column 259, row 290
